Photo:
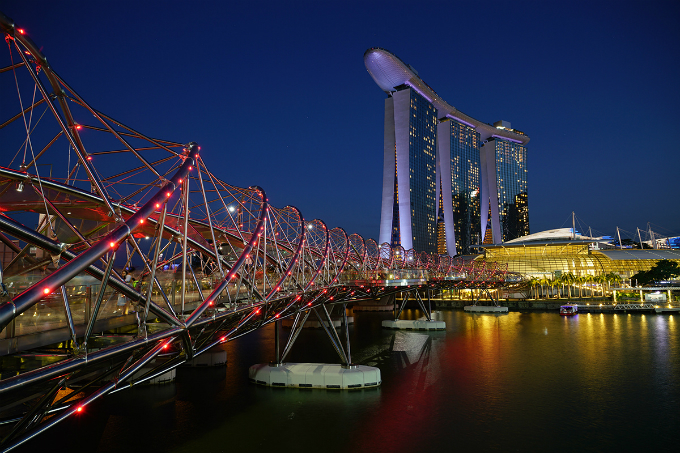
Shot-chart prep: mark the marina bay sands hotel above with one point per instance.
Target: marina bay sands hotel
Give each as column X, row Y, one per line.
column 449, row 180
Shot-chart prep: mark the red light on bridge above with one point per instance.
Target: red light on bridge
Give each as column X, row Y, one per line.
column 21, row 31
column 141, row 220
column 112, row 244
column 167, row 194
column 89, row 157
column 277, row 315
column 180, row 180
column 158, row 205
column 190, row 168
column 309, row 304
column 223, row 339
column 165, row 346
column 210, row 303
column 257, row 312
column 79, row 409
column 46, row 291
column 79, row 127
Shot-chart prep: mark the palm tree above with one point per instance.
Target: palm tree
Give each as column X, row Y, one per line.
column 603, row 281
column 545, row 281
column 570, row 278
column 535, row 282
column 613, row 277
column 553, row 284
column 597, row 279
column 561, row 280
column 579, row 281
column 589, row 279
column 566, row 280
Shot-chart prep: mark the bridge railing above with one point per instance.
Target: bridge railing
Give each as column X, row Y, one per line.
column 385, row 274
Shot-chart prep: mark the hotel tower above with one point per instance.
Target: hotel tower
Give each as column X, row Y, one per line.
column 449, row 180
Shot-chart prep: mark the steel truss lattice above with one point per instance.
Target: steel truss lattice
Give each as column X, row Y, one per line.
column 215, row 261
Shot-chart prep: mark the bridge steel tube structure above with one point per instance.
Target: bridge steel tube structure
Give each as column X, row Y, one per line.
column 123, row 199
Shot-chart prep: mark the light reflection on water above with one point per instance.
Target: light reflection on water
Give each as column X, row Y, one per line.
column 520, row 382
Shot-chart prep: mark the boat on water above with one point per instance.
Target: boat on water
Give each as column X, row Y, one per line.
column 568, row 310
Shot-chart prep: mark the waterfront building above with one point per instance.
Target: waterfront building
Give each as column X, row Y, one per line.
column 437, row 194
column 562, row 251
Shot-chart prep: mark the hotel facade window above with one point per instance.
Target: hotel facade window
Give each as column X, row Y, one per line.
column 505, row 165
column 409, row 191
column 459, row 167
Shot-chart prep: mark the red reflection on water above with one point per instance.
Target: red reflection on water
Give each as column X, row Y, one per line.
column 414, row 400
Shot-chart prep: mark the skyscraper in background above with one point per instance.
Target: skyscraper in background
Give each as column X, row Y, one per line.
column 445, row 174
column 504, row 164
column 459, row 166
column 409, row 185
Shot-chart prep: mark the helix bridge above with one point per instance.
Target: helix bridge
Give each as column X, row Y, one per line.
column 83, row 196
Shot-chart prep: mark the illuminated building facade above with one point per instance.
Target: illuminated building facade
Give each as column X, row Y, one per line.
column 553, row 258
column 504, row 164
column 409, row 191
column 459, row 169
column 436, row 197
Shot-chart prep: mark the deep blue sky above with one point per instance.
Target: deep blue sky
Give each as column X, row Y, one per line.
column 277, row 93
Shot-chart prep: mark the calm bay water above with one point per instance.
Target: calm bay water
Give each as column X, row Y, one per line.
column 530, row 381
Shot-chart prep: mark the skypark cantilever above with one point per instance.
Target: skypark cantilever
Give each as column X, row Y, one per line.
column 389, row 72
column 419, row 129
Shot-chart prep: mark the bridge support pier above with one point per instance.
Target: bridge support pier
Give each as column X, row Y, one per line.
column 420, row 324
column 316, row 375
column 495, row 308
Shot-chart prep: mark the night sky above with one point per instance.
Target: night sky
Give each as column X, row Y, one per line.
column 277, row 93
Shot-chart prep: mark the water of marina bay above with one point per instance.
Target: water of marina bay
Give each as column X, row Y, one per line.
column 524, row 381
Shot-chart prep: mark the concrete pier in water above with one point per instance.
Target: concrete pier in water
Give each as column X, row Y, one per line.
column 315, row 375
column 421, row 324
